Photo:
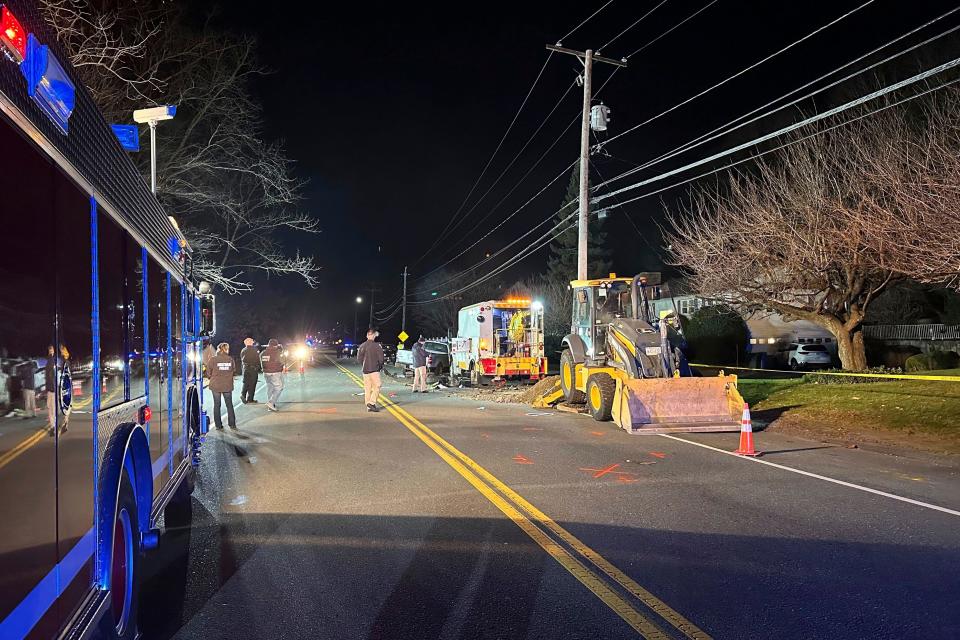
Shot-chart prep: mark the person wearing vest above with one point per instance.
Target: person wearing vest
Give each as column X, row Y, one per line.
column 250, row 359
column 221, row 368
column 271, row 360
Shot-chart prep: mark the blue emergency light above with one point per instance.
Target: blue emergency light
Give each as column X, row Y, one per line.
column 128, row 135
column 48, row 83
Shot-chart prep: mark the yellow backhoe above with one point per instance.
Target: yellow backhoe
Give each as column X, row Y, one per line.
column 628, row 365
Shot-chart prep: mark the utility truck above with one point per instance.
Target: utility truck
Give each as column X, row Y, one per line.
column 499, row 339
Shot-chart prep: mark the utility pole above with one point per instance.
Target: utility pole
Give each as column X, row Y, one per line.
column 403, row 317
column 588, row 58
column 373, row 290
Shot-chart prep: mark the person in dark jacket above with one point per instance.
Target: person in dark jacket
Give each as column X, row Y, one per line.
column 250, row 359
column 50, row 389
column 370, row 357
column 221, row 369
column 420, row 366
column 28, row 387
column 273, row 365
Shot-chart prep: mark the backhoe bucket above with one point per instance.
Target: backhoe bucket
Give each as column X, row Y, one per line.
column 676, row 405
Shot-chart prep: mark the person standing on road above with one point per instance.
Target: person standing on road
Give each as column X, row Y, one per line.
column 222, row 368
column 28, row 386
column 272, row 364
column 370, row 357
column 250, row 359
column 420, row 366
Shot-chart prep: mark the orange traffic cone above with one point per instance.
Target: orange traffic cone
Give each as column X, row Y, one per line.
column 746, row 434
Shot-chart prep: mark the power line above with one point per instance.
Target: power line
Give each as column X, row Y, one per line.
column 492, row 156
column 454, row 222
column 679, row 24
column 513, row 161
column 726, row 129
column 586, row 20
column 621, row 203
column 739, row 73
column 517, row 184
column 553, row 233
column 812, row 119
column 635, row 23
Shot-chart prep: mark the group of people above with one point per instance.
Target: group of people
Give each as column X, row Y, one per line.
column 221, row 369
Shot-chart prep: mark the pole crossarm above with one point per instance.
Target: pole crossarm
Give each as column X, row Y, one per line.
column 582, row 54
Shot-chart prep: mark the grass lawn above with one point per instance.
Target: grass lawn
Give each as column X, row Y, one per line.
column 900, row 410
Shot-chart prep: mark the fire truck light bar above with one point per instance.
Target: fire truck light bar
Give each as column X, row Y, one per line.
column 12, row 36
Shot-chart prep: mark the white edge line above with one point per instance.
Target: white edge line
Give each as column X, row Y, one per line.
column 819, row 477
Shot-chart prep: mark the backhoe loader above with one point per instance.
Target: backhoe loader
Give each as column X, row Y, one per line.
column 627, row 365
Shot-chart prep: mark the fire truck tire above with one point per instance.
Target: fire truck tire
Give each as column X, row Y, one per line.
column 601, row 388
column 568, row 379
column 120, row 620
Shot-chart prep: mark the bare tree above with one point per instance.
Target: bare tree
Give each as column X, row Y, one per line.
column 108, row 44
column 787, row 238
column 917, row 223
column 232, row 191
column 819, row 230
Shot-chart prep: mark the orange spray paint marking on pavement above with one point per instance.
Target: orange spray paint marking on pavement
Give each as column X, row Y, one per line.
column 602, row 472
column 621, row 476
column 624, row 479
column 519, row 459
column 599, row 434
column 658, row 454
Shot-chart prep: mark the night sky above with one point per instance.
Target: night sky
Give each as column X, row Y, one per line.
column 392, row 109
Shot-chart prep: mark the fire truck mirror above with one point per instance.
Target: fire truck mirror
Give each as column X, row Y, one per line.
column 208, row 323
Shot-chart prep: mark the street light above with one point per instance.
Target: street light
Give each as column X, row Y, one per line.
column 152, row 116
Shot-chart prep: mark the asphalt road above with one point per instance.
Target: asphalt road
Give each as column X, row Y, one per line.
column 446, row 517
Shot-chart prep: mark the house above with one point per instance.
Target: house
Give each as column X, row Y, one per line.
column 771, row 333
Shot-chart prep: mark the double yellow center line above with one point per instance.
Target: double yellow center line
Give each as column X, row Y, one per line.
column 9, row 456
column 614, row 588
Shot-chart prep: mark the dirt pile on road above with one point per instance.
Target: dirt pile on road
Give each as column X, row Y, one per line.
column 532, row 393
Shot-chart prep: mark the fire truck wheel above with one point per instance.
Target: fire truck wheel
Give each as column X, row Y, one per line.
column 568, row 379
column 600, row 391
column 120, row 621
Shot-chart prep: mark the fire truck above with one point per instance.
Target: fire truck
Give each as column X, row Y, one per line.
column 497, row 340
column 102, row 324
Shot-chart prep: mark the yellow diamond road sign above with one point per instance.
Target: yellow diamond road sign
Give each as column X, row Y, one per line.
column 403, row 336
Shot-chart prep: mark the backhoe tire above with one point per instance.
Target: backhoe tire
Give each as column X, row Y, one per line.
column 600, row 391
column 568, row 379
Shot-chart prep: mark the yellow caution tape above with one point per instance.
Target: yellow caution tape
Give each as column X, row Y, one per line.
column 890, row 376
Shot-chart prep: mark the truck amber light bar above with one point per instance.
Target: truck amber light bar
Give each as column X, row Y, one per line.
column 12, row 36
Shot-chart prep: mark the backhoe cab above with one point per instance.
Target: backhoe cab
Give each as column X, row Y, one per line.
column 628, row 364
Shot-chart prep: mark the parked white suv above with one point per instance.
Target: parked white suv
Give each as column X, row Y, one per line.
column 808, row 356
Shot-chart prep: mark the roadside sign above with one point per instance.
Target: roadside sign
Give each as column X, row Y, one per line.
column 400, row 347
column 403, row 336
